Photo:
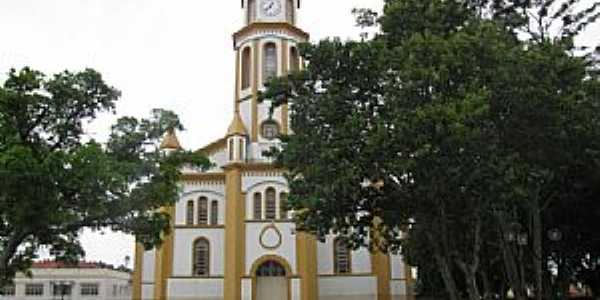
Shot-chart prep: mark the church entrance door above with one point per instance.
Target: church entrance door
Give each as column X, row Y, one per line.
column 271, row 282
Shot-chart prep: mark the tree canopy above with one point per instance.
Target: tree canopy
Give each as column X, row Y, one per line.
column 55, row 180
column 469, row 128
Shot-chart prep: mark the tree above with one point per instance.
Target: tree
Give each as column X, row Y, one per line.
column 54, row 181
column 451, row 127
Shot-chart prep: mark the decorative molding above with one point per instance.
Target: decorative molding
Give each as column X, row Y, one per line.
column 264, row 28
column 264, row 232
column 348, row 275
column 204, row 177
column 199, row 226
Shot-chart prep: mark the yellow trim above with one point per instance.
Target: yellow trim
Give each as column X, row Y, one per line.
column 255, row 83
column 306, row 264
column 138, row 271
column 410, row 282
column 238, row 85
column 288, row 273
column 380, row 264
column 285, row 65
column 234, row 235
column 164, row 260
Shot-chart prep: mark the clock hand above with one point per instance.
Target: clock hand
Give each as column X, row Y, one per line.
column 270, row 6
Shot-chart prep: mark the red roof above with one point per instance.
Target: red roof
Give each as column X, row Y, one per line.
column 52, row 264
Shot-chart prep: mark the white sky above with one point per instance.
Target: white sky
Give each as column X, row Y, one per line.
column 173, row 54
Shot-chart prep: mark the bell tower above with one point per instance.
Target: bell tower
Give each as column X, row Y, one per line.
column 266, row 47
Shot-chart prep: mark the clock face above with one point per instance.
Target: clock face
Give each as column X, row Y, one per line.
column 270, row 8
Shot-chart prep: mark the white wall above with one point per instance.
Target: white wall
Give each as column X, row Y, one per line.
column 211, row 192
column 254, row 250
column 147, row 291
column 397, row 267
column 195, row 288
column 148, row 261
column 105, row 279
column 348, row 287
column 361, row 258
column 182, row 249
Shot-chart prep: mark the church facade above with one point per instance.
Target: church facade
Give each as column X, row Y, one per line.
column 232, row 237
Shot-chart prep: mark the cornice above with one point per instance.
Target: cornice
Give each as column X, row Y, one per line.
column 259, row 27
column 204, row 177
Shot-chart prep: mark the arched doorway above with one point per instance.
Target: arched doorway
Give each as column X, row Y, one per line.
column 271, row 281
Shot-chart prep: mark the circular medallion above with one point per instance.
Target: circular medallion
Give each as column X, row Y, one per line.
column 270, row 237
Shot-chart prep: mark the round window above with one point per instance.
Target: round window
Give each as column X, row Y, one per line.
column 270, row 130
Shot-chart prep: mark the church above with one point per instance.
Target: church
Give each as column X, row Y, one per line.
column 232, row 237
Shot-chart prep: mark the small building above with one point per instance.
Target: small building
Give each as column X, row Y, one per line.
column 52, row 280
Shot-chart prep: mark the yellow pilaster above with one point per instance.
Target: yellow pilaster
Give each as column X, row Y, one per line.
column 410, row 282
column 255, row 85
column 236, row 102
column 164, row 261
column 380, row 264
column 285, row 70
column 137, row 272
column 234, row 233
column 306, row 251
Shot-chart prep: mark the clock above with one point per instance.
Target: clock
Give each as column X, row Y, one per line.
column 270, row 8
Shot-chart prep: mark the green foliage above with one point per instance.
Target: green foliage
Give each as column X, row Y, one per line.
column 55, row 182
column 459, row 120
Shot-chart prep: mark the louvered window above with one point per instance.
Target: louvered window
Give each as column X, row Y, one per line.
column 246, row 54
column 203, row 211
column 214, row 213
column 201, row 257
column 294, row 59
column 283, row 211
column 271, row 205
column 269, row 61
column 257, row 206
column 189, row 213
column 341, row 256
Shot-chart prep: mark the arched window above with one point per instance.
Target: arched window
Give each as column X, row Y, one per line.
column 241, row 149
column 203, row 211
column 283, row 206
column 201, row 257
column 294, row 59
column 231, row 149
column 189, row 213
column 271, row 205
column 246, row 54
column 341, row 256
column 251, row 11
column 269, row 130
column 214, row 213
column 257, row 206
column 269, row 61
column 290, row 11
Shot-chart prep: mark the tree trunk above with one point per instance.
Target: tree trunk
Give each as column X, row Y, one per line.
column 447, row 276
column 536, row 234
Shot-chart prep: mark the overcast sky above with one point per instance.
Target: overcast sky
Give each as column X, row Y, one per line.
column 173, row 54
